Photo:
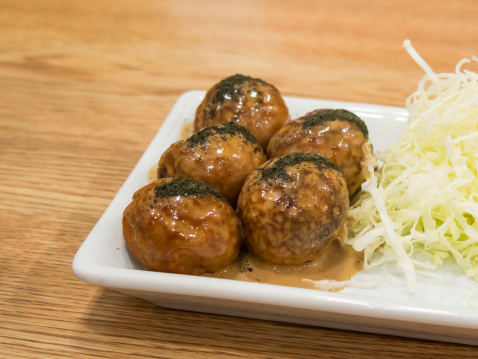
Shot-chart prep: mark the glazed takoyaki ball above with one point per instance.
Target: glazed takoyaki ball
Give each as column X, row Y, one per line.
column 292, row 207
column 179, row 225
column 338, row 135
column 250, row 102
column 221, row 156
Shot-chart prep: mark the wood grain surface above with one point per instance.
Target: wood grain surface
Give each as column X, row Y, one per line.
column 84, row 87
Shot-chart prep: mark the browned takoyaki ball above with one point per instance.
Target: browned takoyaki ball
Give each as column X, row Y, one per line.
column 250, row 102
column 292, row 207
column 339, row 135
column 179, row 225
column 221, row 156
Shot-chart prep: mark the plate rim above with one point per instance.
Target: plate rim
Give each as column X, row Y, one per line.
column 88, row 270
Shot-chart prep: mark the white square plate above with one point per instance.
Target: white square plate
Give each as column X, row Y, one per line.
column 437, row 311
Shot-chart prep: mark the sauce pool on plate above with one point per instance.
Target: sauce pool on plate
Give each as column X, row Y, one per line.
column 186, row 131
column 336, row 262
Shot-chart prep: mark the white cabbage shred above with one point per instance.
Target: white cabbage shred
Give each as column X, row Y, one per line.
column 421, row 206
column 329, row 284
column 472, row 298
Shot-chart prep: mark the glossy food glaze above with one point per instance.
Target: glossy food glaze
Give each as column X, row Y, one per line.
column 181, row 226
column 250, row 102
column 221, row 156
column 338, row 135
column 292, row 207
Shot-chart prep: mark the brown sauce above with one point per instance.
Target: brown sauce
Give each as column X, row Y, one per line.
column 186, row 131
column 337, row 263
column 153, row 173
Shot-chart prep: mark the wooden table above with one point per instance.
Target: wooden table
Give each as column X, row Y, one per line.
column 84, row 87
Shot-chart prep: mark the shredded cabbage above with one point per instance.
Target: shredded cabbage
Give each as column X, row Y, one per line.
column 472, row 298
column 421, row 206
column 326, row 284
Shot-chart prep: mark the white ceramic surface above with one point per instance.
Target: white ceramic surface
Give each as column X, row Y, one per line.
column 438, row 311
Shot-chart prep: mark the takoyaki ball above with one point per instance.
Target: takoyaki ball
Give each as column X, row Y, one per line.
column 292, row 207
column 250, row 102
column 179, row 225
column 338, row 135
column 221, row 156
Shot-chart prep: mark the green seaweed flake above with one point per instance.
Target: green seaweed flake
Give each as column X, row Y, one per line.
column 277, row 170
column 230, row 128
column 185, row 187
column 315, row 119
column 229, row 86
